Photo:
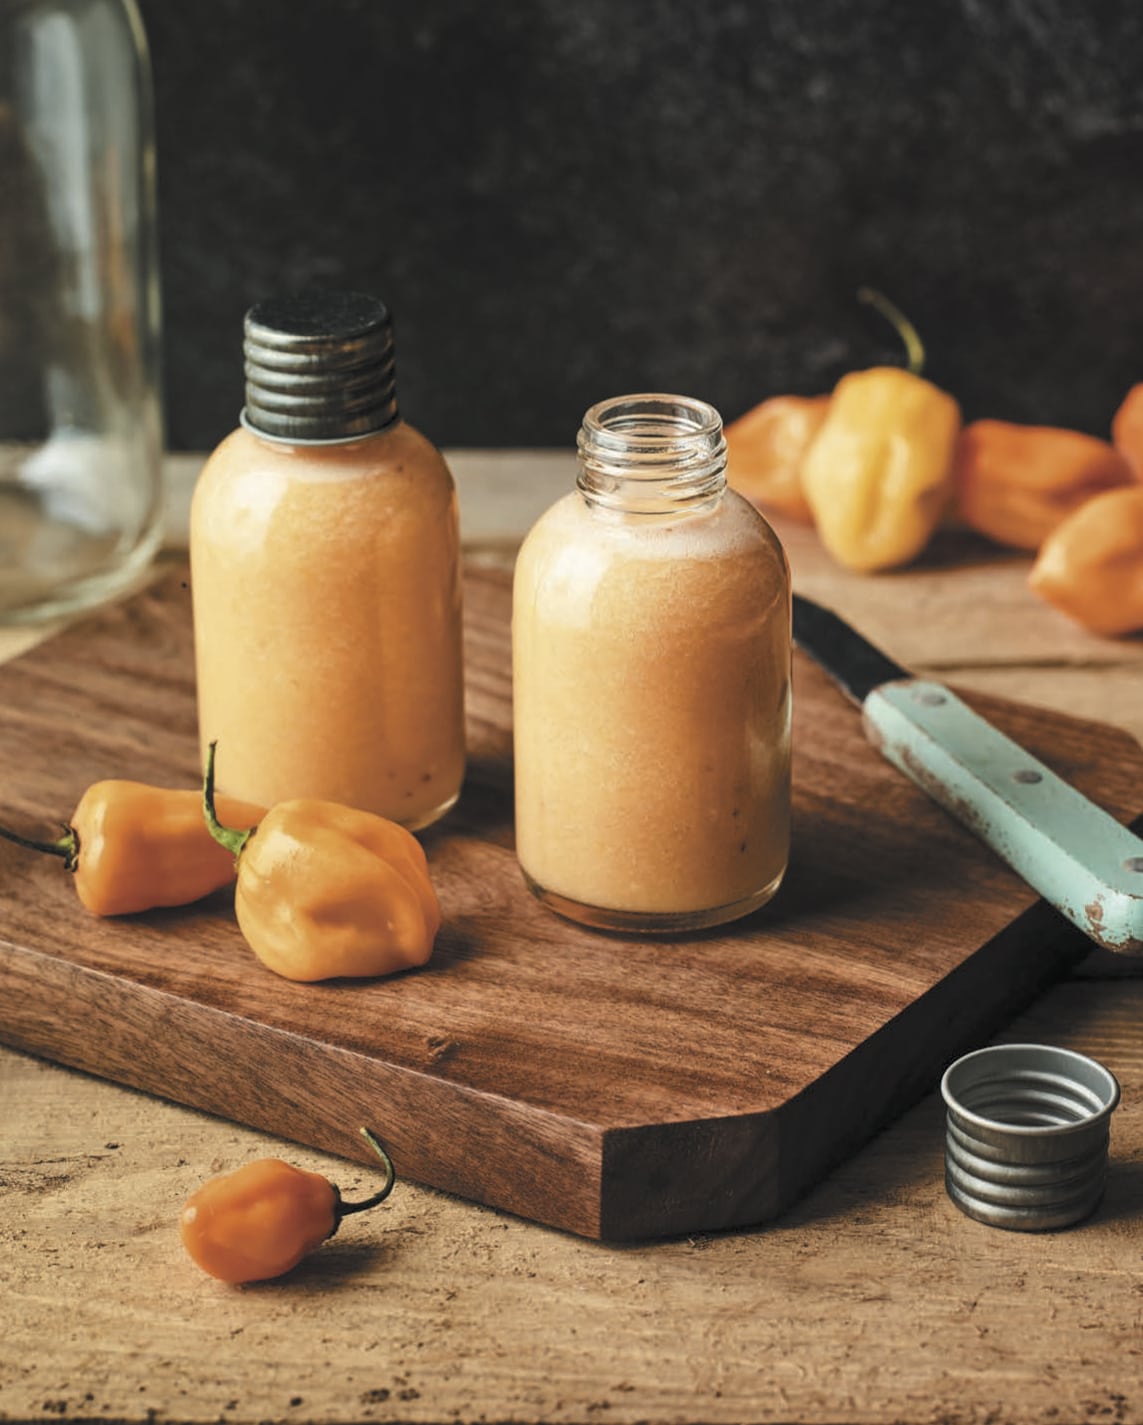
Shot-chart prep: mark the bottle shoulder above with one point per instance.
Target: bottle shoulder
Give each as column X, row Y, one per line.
column 727, row 562
column 398, row 456
column 731, row 529
column 384, row 450
column 392, row 490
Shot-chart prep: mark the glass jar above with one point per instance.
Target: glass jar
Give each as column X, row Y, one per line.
column 325, row 573
column 651, row 666
column 80, row 489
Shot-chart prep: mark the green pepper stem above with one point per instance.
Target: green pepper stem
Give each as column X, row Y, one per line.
column 67, row 846
column 228, row 836
column 914, row 348
column 345, row 1208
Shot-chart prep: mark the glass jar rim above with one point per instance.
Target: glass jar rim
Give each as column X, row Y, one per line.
column 651, row 453
column 648, row 419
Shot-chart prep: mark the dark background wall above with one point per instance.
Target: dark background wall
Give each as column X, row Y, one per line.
column 564, row 201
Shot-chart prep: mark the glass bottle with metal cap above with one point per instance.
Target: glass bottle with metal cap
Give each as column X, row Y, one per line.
column 651, row 678
column 326, row 576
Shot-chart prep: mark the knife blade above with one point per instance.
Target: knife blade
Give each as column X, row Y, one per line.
column 1071, row 851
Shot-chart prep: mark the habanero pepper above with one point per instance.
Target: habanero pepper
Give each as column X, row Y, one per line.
column 1127, row 429
column 325, row 891
column 1016, row 483
column 261, row 1220
column 1091, row 566
column 878, row 476
column 765, row 449
column 133, row 847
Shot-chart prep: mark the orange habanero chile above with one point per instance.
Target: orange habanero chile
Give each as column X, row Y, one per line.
column 133, row 847
column 1091, row 566
column 260, row 1221
column 878, row 474
column 1127, row 429
column 765, row 448
column 1016, row 483
column 326, row 891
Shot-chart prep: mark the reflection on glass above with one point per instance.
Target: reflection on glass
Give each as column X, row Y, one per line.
column 80, row 496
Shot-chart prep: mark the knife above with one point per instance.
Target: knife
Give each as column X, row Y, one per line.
column 1069, row 850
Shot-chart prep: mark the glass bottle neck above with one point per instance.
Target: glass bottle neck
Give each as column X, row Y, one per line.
column 651, row 454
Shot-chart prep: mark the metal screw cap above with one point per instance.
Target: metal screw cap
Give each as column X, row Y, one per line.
column 1027, row 1135
column 319, row 367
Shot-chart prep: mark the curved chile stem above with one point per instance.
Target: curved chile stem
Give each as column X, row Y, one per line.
column 345, row 1208
column 67, row 846
column 914, row 348
column 227, row 836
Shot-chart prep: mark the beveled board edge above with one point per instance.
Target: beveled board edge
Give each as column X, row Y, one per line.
column 296, row 1088
column 709, row 1175
column 650, row 1181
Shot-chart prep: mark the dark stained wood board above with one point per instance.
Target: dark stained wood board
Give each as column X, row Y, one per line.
column 616, row 1088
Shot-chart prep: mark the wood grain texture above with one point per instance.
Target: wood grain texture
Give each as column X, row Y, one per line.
column 615, row 1088
column 873, row 1301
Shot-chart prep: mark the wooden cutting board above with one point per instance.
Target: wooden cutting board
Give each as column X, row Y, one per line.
column 616, row 1088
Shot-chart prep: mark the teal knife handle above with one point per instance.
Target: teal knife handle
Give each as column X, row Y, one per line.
column 1077, row 856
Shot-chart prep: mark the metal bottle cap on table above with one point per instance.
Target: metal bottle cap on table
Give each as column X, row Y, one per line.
column 1027, row 1135
column 319, row 367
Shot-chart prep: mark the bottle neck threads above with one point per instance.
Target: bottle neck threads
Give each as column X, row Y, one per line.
column 651, row 454
column 319, row 367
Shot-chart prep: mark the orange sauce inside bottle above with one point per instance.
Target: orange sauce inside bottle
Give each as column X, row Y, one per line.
column 327, row 611
column 652, row 714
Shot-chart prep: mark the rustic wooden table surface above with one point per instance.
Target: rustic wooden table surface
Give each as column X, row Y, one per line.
column 873, row 1300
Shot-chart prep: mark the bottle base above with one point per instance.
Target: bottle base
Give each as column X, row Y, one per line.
column 638, row 922
column 427, row 818
column 27, row 600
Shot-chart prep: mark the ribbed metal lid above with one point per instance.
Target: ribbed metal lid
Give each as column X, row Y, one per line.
column 319, row 366
column 1026, row 1134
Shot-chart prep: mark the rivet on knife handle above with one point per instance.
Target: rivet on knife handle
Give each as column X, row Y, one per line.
column 1071, row 851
